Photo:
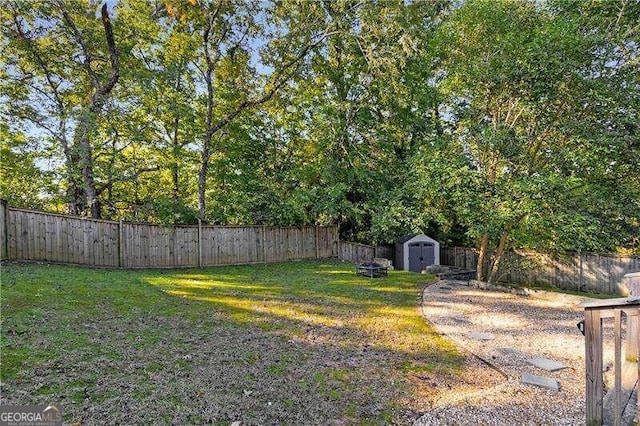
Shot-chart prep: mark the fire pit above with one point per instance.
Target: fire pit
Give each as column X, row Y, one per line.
column 371, row 270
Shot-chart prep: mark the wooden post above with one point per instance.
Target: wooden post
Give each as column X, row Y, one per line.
column 638, row 363
column 264, row 244
column 5, row 228
column 632, row 350
column 199, row 243
column 617, row 363
column 631, row 287
column 120, row 248
column 580, row 275
column 317, row 243
column 593, row 364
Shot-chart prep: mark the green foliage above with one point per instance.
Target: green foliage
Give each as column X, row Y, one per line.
column 522, row 91
column 515, row 121
column 23, row 183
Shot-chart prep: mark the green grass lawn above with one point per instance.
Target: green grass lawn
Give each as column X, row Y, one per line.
column 300, row 342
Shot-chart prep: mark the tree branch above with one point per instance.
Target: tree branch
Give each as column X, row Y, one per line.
column 38, row 57
column 81, row 42
column 126, row 178
column 283, row 76
column 113, row 58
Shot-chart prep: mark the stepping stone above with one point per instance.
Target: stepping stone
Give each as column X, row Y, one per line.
column 541, row 381
column 547, row 364
column 508, row 351
column 481, row 336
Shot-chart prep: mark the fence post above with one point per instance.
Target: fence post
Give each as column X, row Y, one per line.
column 593, row 364
column 580, row 283
column 5, row 228
column 199, row 243
column 637, row 362
column 264, row 244
column 633, row 346
column 120, row 248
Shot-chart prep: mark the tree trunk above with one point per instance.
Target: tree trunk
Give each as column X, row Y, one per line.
column 279, row 78
column 100, row 94
column 495, row 265
column 209, row 131
column 86, row 164
column 75, row 203
column 202, row 180
column 175, row 177
column 482, row 255
column 75, row 195
column 435, row 116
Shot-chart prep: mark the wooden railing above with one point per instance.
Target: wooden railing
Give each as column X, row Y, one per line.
column 619, row 410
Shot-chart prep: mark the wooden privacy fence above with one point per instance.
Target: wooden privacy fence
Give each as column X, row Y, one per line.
column 38, row 236
column 600, row 273
column 356, row 252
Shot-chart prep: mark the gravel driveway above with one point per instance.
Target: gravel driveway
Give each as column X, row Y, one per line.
column 517, row 328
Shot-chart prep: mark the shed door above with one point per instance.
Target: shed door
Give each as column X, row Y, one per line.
column 415, row 257
column 421, row 255
column 428, row 254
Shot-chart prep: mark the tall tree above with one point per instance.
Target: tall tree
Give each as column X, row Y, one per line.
column 162, row 111
column 518, row 77
column 352, row 115
column 67, row 66
column 228, row 33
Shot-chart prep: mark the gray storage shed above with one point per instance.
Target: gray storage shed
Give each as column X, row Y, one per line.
column 416, row 251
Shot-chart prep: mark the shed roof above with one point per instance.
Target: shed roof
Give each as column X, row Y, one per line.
column 406, row 238
column 421, row 237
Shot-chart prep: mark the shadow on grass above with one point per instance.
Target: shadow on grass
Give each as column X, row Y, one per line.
column 301, row 342
column 296, row 296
